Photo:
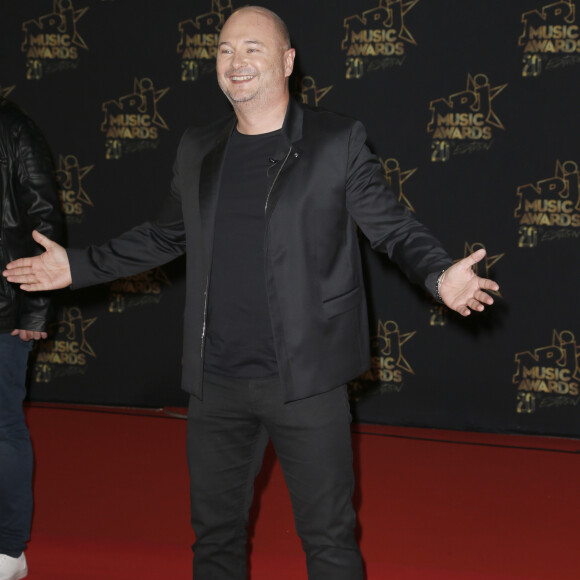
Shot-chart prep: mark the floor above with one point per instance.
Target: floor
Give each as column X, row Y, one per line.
column 111, row 493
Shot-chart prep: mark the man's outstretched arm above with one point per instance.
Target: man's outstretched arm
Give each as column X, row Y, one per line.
column 462, row 290
column 48, row 271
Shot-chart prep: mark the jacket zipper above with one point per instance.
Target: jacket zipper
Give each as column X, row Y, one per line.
column 276, row 179
column 204, row 326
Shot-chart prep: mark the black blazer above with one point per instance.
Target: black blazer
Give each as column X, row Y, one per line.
column 324, row 182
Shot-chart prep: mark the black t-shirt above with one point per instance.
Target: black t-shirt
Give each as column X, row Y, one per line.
column 239, row 341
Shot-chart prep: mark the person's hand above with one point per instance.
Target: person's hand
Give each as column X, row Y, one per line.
column 463, row 290
column 49, row 271
column 27, row 335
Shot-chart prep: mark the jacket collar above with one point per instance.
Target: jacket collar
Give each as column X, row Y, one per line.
column 291, row 128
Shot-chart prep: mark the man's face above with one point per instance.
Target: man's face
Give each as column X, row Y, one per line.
column 252, row 62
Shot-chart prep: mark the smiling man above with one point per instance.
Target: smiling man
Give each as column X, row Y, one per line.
column 254, row 56
column 265, row 203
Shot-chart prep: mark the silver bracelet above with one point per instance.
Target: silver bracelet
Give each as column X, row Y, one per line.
column 438, row 285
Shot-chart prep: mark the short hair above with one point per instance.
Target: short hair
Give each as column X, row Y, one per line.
column 279, row 24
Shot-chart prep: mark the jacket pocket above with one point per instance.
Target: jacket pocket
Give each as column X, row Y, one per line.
column 343, row 303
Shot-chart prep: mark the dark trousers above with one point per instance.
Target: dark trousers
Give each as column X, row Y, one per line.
column 227, row 435
column 15, row 448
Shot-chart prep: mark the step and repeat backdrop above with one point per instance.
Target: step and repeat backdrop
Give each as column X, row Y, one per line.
column 472, row 109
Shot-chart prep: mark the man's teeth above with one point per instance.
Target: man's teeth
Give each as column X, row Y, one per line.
column 243, row 78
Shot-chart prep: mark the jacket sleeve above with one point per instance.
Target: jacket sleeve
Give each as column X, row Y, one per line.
column 39, row 208
column 389, row 226
column 144, row 247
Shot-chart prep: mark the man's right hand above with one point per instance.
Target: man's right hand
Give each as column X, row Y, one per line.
column 49, row 271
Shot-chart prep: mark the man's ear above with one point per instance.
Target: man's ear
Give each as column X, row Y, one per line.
column 289, row 57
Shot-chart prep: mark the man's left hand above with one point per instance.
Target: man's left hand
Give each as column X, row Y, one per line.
column 27, row 335
column 463, row 290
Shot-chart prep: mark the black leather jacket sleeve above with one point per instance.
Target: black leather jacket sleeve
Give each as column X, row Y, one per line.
column 29, row 201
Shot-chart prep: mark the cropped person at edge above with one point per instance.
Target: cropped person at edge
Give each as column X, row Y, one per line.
column 28, row 201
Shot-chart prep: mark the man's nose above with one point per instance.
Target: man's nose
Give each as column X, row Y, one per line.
column 239, row 60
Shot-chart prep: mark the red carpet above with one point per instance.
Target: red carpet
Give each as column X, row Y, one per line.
column 111, row 495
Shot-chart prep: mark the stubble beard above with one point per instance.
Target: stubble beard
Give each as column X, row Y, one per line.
column 230, row 92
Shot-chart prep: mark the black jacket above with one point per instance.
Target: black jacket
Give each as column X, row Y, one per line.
column 326, row 181
column 28, row 200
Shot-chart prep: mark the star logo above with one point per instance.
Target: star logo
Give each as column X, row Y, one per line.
column 5, row 91
column 405, row 7
column 142, row 101
column 72, row 327
column 389, row 342
column 395, row 179
column 389, row 14
column 563, row 353
column 480, row 86
column 308, row 93
column 70, row 175
column 62, row 20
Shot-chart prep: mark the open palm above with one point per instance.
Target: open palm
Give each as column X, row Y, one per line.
column 48, row 271
column 463, row 290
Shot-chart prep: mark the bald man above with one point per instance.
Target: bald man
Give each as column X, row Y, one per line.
column 264, row 203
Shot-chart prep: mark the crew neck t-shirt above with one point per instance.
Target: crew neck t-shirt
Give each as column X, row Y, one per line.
column 239, row 341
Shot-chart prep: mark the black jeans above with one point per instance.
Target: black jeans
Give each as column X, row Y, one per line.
column 227, row 435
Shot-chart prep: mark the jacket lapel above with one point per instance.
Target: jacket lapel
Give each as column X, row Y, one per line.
column 212, row 166
column 209, row 184
column 287, row 151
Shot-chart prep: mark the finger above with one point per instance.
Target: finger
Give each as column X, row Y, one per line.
column 20, row 263
column 17, row 275
column 475, row 257
column 41, row 239
column 464, row 311
column 488, row 284
column 22, row 278
column 484, row 298
column 16, row 272
column 33, row 287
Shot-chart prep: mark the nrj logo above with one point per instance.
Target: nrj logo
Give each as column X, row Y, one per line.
column 307, row 92
column 465, row 121
column 550, row 208
column 144, row 288
column 73, row 197
column 67, row 351
column 52, row 42
column 395, row 178
column 549, row 376
column 388, row 364
column 377, row 38
column 132, row 122
column 198, row 42
column 550, row 38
